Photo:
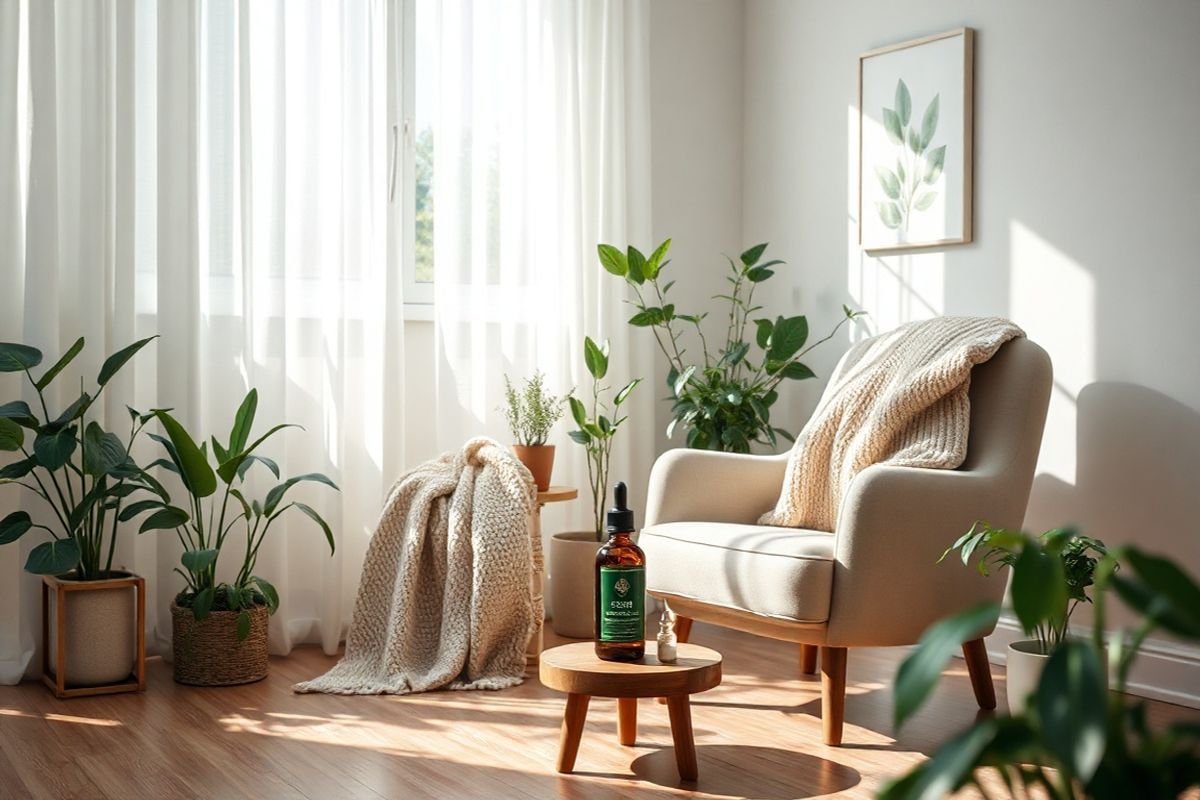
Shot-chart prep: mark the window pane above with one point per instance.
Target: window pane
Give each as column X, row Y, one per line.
column 423, row 139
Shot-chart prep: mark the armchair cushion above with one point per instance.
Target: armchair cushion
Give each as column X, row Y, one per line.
column 785, row 573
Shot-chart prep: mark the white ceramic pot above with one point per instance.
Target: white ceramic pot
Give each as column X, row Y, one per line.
column 101, row 632
column 1024, row 670
column 572, row 583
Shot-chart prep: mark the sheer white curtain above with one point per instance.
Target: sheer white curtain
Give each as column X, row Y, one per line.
column 215, row 172
column 541, row 151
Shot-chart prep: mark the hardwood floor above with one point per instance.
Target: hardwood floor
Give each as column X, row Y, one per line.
column 757, row 735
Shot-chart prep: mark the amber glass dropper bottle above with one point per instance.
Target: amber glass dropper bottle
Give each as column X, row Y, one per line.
column 620, row 588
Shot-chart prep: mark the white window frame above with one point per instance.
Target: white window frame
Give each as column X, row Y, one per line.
column 402, row 40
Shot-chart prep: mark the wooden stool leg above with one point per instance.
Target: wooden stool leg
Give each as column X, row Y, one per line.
column 680, row 708
column 627, row 720
column 975, row 652
column 808, row 659
column 833, row 693
column 572, row 729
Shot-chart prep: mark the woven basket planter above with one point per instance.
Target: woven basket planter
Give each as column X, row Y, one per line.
column 208, row 653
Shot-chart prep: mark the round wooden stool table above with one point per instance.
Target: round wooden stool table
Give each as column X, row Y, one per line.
column 575, row 669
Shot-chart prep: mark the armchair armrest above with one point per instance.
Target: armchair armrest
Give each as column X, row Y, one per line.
column 708, row 486
column 893, row 525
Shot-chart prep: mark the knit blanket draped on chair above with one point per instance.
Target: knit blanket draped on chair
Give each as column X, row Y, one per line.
column 445, row 600
column 899, row 398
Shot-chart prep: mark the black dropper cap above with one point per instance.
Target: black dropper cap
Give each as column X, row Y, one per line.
column 620, row 516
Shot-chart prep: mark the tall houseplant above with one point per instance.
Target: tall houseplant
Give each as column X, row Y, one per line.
column 722, row 399
column 219, row 632
column 531, row 412
column 1064, row 565
column 1076, row 739
column 83, row 474
column 573, row 553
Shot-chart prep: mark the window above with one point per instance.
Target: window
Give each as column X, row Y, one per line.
column 412, row 135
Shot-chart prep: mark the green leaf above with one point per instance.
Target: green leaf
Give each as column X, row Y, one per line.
column 202, row 604
column 221, row 454
column 1071, row 701
column 613, row 260
column 1171, row 582
column 276, row 494
column 53, row 558
column 578, row 412
column 19, row 412
column 950, row 767
column 18, row 469
column 900, row 172
column 199, row 560
column 243, row 626
column 234, row 464
column 788, row 337
column 164, row 519
column 18, row 358
column 888, row 182
column 797, row 372
column 925, row 201
column 580, row 437
column 269, row 592
column 751, row 256
column 53, row 447
column 914, row 142
column 140, row 507
column 12, row 435
column 736, row 353
column 14, row 526
column 758, row 274
column 903, row 102
column 647, row 317
column 242, row 422
column 197, row 474
column 1157, row 605
column 935, row 161
column 682, row 381
column 73, row 411
column 103, row 451
column 317, row 518
column 637, row 265
column 929, row 122
column 249, row 460
column 624, row 393
column 594, row 358
column 112, row 365
column 58, row 367
column 763, row 334
column 655, row 262
column 1039, row 591
column 920, row 670
column 891, row 124
column 889, row 213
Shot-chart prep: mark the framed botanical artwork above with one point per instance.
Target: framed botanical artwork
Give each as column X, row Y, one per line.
column 914, row 142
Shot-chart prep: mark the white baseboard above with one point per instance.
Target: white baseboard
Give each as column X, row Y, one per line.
column 1164, row 670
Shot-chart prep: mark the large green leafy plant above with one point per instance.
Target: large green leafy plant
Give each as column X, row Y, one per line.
column 1064, row 567
column 722, row 399
column 216, row 505
column 598, row 426
column 82, row 472
column 1076, row 738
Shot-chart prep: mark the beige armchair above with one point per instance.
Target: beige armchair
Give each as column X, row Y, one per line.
column 872, row 582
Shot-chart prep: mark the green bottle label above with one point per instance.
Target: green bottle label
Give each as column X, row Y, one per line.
column 622, row 604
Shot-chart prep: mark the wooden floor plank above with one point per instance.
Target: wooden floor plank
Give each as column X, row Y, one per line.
column 757, row 735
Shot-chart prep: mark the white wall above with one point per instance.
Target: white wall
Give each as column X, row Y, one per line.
column 1087, row 185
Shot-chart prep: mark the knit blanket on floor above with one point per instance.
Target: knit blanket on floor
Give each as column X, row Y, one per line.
column 899, row 398
column 445, row 600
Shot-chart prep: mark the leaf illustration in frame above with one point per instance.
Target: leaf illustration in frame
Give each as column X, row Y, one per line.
column 889, row 213
column 888, row 182
column 900, row 173
column 914, row 141
column 936, row 160
column 891, row 123
column 903, row 102
column 925, row 201
column 930, row 121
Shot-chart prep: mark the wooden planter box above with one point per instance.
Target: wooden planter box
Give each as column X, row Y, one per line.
column 55, row 675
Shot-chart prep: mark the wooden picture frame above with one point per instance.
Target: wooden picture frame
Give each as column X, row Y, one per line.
column 914, row 190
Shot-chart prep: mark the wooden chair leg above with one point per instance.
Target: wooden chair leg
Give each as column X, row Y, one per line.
column 683, row 628
column 975, row 653
column 572, row 730
column 627, row 720
column 808, row 659
column 680, row 709
column 833, row 693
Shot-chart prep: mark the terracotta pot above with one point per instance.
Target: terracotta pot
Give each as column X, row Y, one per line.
column 539, row 460
column 572, row 583
column 1024, row 669
column 100, row 623
column 207, row 652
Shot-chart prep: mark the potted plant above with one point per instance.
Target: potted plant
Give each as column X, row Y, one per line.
column 531, row 413
column 723, row 399
column 83, row 474
column 1076, row 738
column 573, row 553
column 1066, row 564
column 219, row 631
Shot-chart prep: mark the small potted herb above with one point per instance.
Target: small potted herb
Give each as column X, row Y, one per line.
column 573, row 553
column 531, row 413
column 1063, row 564
column 219, row 631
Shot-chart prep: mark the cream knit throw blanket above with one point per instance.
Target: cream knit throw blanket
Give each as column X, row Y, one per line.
column 899, row 398
column 445, row 599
